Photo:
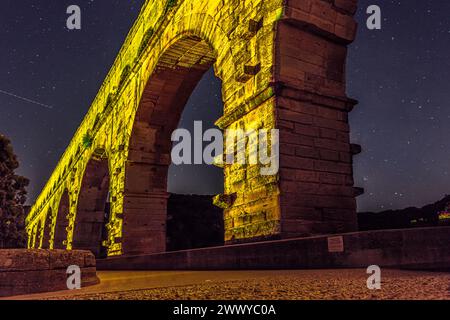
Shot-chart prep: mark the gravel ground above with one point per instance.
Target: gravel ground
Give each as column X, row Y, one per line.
column 301, row 285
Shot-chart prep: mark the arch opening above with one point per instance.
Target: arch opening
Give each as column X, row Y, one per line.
column 47, row 229
column 145, row 225
column 193, row 221
column 60, row 233
column 39, row 234
column 93, row 209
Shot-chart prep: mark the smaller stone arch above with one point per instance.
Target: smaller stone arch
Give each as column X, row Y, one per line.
column 29, row 235
column 34, row 236
column 166, row 93
column 47, row 230
column 39, row 234
column 93, row 208
column 60, row 229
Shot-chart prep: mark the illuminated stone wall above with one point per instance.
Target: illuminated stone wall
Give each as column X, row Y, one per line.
column 316, row 177
column 282, row 66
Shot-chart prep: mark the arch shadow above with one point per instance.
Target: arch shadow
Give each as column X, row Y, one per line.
column 60, row 231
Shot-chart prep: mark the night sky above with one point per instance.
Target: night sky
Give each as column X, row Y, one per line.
column 400, row 75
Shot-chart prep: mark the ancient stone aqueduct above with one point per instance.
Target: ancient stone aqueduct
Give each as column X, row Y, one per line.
column 282, row 65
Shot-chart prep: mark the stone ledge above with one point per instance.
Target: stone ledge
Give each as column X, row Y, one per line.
column 33, row 271
column 421, row 249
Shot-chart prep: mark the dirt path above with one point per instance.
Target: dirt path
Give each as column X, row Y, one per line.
column 285, row 284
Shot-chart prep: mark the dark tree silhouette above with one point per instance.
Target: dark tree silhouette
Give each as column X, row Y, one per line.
column 12, row 198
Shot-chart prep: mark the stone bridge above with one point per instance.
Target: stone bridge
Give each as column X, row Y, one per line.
column 282, row 65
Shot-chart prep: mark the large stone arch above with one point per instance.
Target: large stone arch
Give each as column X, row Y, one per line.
column 92, row 214
column 132, row 229
column 33, row 236
column 166, row 93
column 61, row 224
column 47, row 229
column 268, row 82
column 39, row 233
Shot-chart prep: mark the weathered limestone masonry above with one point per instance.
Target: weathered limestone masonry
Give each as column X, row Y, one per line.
column 316, row 179
column 282, row 66
column 34, row 271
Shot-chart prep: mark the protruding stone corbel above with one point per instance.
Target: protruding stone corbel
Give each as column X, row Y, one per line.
column 351, row 103
column 355, row 149
column 224, row 201
column 255, row 25
column 358, row 191
column 248, row 72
